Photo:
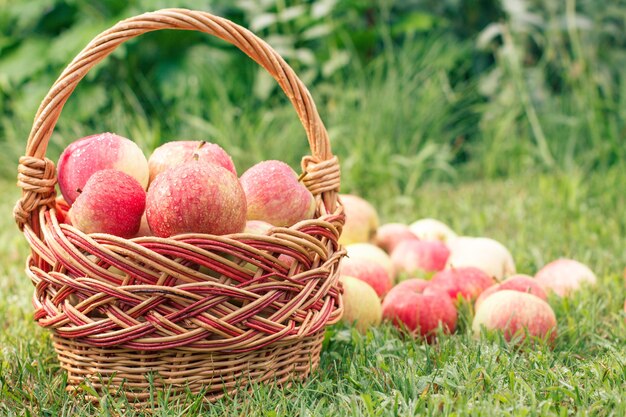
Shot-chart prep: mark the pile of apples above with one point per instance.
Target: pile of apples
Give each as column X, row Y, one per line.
column 436, row 271
column 109, row 186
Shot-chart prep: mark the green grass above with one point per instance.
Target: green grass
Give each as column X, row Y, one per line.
column 539, row 217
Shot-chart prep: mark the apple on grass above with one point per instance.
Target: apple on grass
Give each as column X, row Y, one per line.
column 414, row 256
column 483, row 253
column 197, row 197
column 368, row 271
column 173, row 154
column 467, row 283
column 519, row 282
column 517, row 314
column 111, row 202
column 371, row 252
column 274, row 194
column 389, row 235
column 432, row 229
column 82, row 158
column 361, row 304
column 420, row 314
column 565, row 276
column 361, row 220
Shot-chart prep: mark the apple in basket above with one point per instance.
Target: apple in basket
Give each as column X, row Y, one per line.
column 172, row 154
column 82, row 158
column 361, row 220
column 517, row 314
column 111, row 202
column 421, row 314
column 274, row 194
column 197, row 197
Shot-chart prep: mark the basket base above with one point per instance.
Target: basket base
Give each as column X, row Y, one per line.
column 140, row 375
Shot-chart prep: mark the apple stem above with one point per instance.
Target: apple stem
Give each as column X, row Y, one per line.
column 79, row 190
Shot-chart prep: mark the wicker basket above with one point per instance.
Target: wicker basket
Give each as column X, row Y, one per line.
column 193, row 312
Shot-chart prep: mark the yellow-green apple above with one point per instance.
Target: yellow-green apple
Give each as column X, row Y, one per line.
column 197, row 197
column 371, row 252
column 420, row 314
column 368, row 271
column 257, row 227
column 361, row 304
column 172, row 154
column 275, row 195
column 361, row 220
column 412, row 256
column 431, row 229
column 483, row 253
column 82, row 158
column 389, row 235
column 517, row 314
column 519, row 282
column 564, row 276
column 466, row 282
column 110, row 202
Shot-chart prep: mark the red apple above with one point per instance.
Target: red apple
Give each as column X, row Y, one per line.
column 467, row 283
column 413, row 285
column 389, row 235
column 173, row 154
column 483, row 253
column 198, row 197
column 411, row 256
column 368, row 271
column 82, row 158
column 361, row 304
column 361, row 220
column 565, row 276
column 373, row 253
column 517, row 314
column 111, row 202
column 520, row 282
column 275, row 195
column 431, row 229
column 420, row 314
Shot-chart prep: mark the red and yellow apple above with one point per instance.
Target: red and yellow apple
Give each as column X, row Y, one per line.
column 110, row 202
column 86, row 156
column 373, row 253
column 483, row 253
column 519, row 282
column 517, row 314
column 173, row 154
column 197, row 197
column 368, row 271
column 467, row 283
column 275, row 195
column 414, row 256
column 389, row 235
column 565, row 276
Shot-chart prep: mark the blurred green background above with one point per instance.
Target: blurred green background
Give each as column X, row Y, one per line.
column 410, row 90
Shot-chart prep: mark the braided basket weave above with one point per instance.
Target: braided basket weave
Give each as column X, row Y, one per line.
column 194, row 312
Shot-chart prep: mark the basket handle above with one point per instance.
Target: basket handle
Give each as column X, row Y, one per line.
column 36, row 173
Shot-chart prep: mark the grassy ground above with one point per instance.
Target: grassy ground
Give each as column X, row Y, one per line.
column 539, row 216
